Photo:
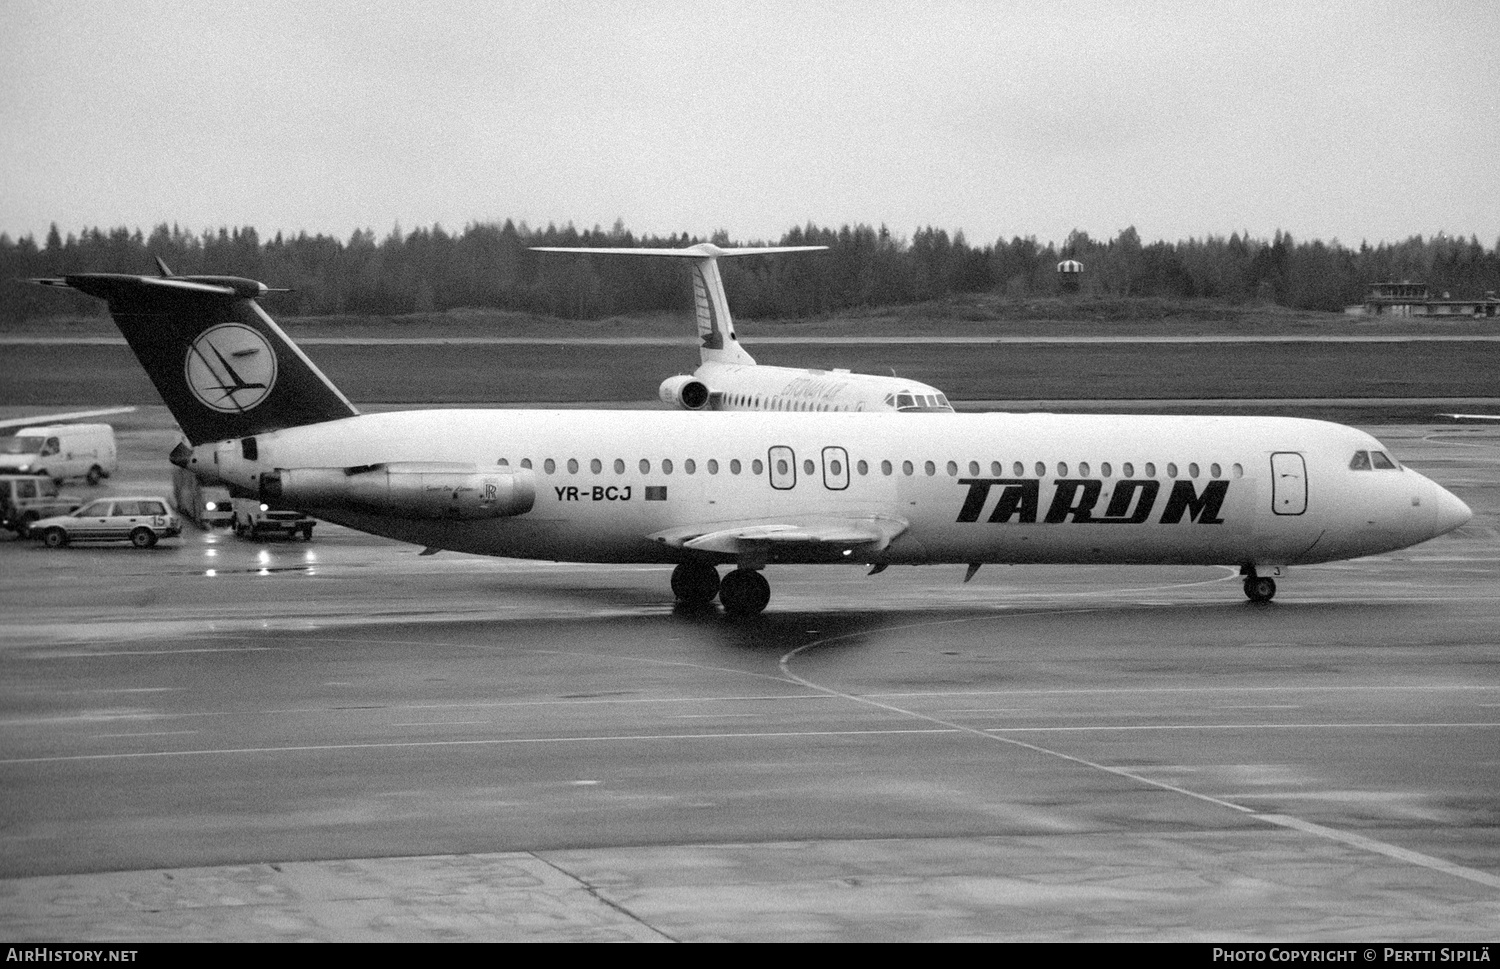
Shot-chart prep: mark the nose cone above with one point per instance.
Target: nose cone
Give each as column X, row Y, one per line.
column 1448, row 511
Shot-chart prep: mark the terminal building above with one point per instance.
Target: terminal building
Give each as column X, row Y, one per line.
column 1415, row 299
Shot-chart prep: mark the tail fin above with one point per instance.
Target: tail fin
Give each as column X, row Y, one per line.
column 710, row 306
column 223, row 367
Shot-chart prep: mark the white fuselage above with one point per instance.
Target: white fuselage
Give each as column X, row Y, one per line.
column 1263, row 492
column 767, row 388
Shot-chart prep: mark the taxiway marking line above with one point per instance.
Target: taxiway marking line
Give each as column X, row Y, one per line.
column 1382, row 848
column 998, row 735
column 943, row 727
column 475, row 742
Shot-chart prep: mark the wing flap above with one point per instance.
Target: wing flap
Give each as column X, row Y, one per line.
column 788, row 539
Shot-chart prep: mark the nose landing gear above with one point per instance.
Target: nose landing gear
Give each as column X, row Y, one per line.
column 1258, row 588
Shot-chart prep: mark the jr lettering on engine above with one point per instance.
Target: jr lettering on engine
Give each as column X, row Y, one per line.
column 1131, row 501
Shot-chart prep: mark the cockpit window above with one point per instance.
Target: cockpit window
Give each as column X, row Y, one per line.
column 1382, row 462
column 1361, row 461
column 904, row 402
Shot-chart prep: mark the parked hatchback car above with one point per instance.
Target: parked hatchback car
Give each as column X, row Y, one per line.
column 139, row 519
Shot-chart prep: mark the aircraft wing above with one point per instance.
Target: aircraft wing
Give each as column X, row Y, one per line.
column 37, row 420
column 771, row 538
column 703, row 250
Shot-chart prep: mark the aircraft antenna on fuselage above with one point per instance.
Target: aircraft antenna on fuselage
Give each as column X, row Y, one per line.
column 717, row 340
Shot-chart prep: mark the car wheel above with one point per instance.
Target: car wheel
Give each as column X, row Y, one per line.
column 307, row 533
column 95, row 473
column 54, row 538
column 143, row 538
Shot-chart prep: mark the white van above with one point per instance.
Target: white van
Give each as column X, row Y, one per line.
column 61, row 451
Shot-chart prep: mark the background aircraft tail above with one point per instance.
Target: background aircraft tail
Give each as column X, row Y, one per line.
column 223, row 367
column 718, row 343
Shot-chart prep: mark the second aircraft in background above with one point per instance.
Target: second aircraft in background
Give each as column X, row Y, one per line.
column 728, row 378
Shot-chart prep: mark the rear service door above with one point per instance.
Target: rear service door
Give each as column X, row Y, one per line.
column 1288, row 483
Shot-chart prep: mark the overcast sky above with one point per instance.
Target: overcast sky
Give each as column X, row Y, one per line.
column 1357, row 121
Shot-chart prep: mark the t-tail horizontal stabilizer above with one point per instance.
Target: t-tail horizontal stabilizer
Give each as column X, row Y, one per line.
column 710, row 306
column 223, row 367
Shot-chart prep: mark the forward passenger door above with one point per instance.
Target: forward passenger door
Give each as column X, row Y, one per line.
column 1288, row 483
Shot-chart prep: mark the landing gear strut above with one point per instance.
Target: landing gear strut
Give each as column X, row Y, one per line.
column 695, row 583
column 744, row 592
column 1259, row 588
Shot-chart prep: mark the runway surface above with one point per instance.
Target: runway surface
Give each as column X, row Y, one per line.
column 338, row 739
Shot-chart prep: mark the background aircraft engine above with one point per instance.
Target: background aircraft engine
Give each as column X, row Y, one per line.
column 414, row 490
column 689, row 393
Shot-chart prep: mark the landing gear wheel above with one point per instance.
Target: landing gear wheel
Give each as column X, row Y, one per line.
column 695, row 583
column 744, row 592
column 143, row 538
column 1260, row 589
column 54, row 538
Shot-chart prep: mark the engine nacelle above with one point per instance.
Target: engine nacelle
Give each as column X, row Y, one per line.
column 416, row 490
column 689, row 393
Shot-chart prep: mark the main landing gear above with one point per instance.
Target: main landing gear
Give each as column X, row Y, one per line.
column 1259, row 588
column 743, row 592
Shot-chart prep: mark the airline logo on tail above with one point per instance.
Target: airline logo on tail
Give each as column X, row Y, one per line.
column 230, row 368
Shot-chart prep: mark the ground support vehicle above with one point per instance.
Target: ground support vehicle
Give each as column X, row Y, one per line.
column 208, row 505
column 26, row 498
column 252, row 519
column 61, row 451
column 141, row 520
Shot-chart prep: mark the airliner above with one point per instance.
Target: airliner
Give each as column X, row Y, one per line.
column 728, row 378
column 749, row 490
